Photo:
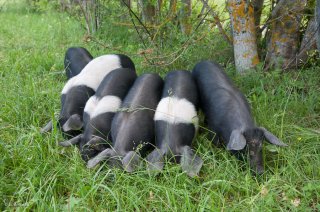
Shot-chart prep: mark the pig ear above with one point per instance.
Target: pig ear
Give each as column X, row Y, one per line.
column 237, row 141
column 73, row 123
column 272, row 139
column 155, row 160
column 97, row 143
column 105, row 154
column 47, row 128
column 131, row 161
column 190, row 162
column 71, row 142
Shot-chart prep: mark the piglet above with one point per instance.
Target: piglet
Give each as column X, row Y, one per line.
column 133, row 127
column 76, row 58
column 80, row 88
column 99, row 112
column 228, row 114
column 176, row 123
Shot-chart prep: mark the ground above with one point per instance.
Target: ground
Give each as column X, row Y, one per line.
column 37, row 174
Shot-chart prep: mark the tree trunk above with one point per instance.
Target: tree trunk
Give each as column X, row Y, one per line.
column 284, row 41
column 126, row 3
column 257, row 11
column 159, row 6
column 204, row 6
column 173, row 7
column 185, row 17
column 158, row 10
column 64, row 5
column 318, row 23
column 148, row 11
column 90, row 10
column 244, row 34
column 308, row 44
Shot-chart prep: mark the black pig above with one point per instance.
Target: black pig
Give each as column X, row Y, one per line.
column 133, row 128
column 227, row 113
column 76, row 58
column 80, row 88
column 99, row 112
column 176, row 122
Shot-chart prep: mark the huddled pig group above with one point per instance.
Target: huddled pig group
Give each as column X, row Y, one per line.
column 113, row 115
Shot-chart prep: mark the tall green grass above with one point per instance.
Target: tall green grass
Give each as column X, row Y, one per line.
column 37, row 174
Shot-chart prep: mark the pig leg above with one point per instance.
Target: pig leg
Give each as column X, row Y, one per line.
column 47, row 128
column 155, row 160
column 97, row 143
column 105, row 154
column 71, row 142
column 131, row 161
column 190, row 162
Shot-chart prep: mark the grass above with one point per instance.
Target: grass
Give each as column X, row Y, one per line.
column 37, row 174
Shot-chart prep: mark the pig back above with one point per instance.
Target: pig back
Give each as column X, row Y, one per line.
column 181, row 85
column 134, row 124
column 225, row 107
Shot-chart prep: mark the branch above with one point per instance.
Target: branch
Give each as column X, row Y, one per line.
column 109, row 47
column 133, row 13
column 149, row 34
column 163, row 60
column 218, row 22
column 85, row 16
column 185, row 45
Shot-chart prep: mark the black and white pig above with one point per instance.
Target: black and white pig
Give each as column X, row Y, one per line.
column 76, row 58
column 80, row 88
column 228, row 113
column 176, row 123
column 99, row 112
column 133, row 128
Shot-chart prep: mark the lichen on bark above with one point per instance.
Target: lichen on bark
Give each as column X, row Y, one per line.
column 244, row 34
column 284, row 41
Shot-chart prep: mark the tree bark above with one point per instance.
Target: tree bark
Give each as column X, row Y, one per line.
column 204, row 6
column 173, row 7
column 257, row 11
column 64, row 5
column 308, row 44
column 126, row 3
column 88, row 9
column 158, row 10
column 317, row 12
column 284, row 39
column 185, row 17
column 159, row 6
column 244, row 34
column 148, row 9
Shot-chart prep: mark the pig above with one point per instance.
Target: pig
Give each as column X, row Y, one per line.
column 176, row 123
column 80, row 88
column 99, row 112
column 132, row 128
column 228, row 114
column 76, row 58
